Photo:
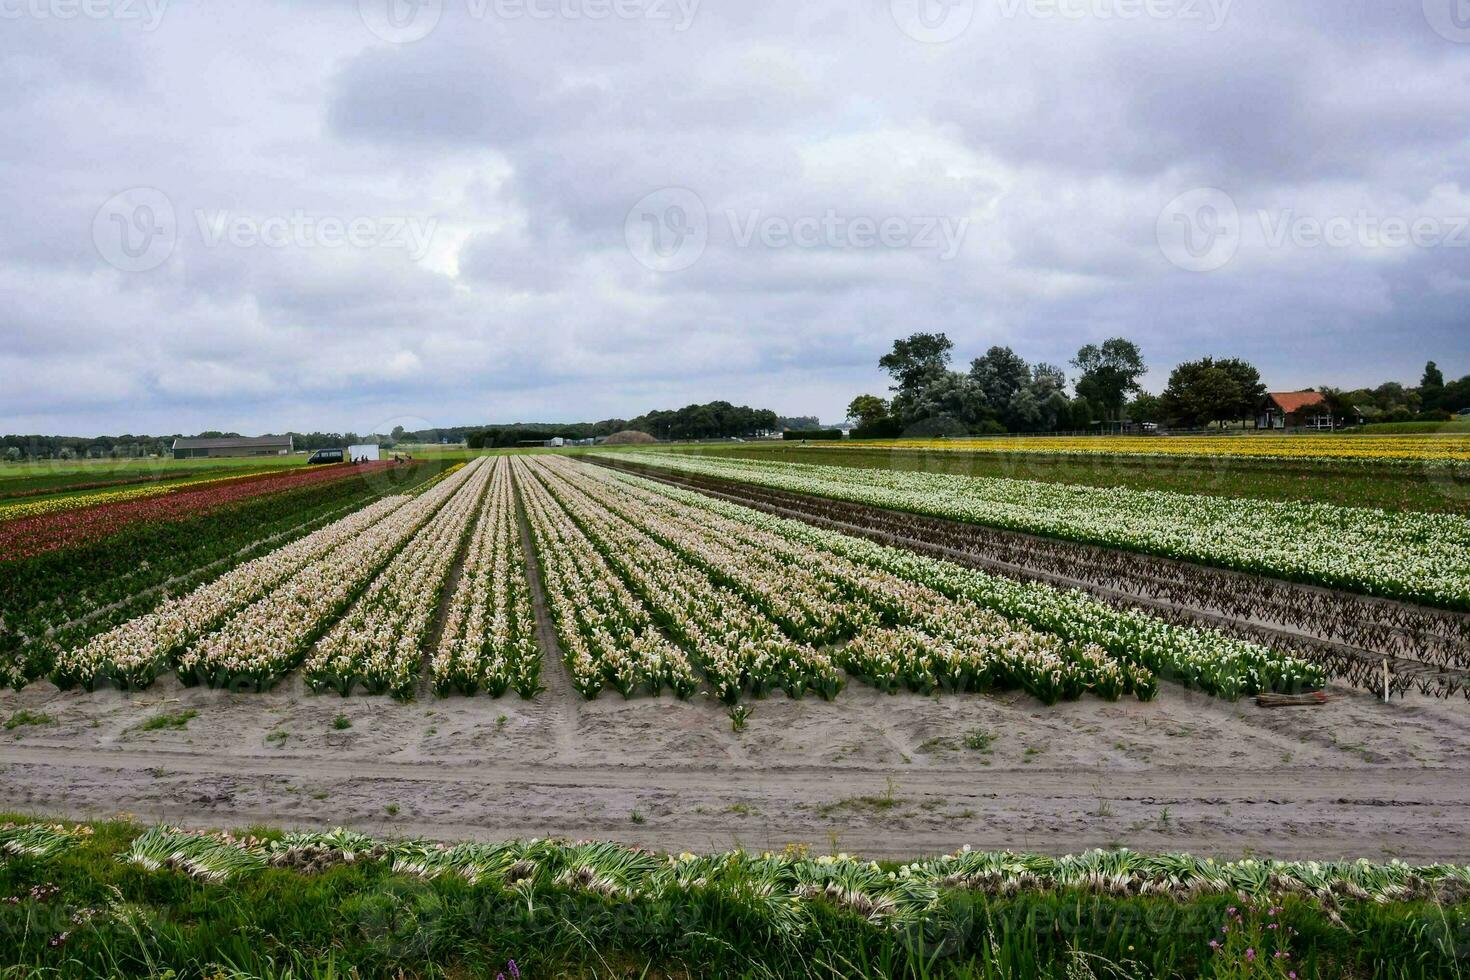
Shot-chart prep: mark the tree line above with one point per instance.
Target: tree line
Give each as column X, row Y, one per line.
column 1002, row 392
column 712, row 420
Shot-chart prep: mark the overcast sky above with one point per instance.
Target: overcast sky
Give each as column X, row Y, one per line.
column 333, row 214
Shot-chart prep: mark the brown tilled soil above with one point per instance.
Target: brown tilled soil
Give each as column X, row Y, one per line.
column 885, row 776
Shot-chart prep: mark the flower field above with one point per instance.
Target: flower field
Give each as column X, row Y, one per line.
column 59, row 599
column 117, row 494
column 1394, row 450
column 27, row 530
column 652, row 554
column 379, row 641
column 489, row 636
column 648, row 588
column 1411, row 556
column 28, row 486
column 131, row 655
column 257, row 645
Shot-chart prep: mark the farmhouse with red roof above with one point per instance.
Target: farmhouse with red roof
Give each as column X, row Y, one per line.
column 1294, row 410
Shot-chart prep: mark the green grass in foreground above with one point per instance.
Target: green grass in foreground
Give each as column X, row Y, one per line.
column 1344, row 486
column 106, row 903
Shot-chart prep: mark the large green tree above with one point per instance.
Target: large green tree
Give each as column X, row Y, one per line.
column 916, row 360
column 1110, row 371
column 1431, row 388
column 1001, row 373
column 1198, row 393
column 1146, row 408
column 948, row 401
column 1207, row 390
column 868, row 410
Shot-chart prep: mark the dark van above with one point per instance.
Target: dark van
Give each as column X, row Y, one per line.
column 326, row 456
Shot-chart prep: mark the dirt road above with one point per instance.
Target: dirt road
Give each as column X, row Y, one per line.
column 882, row 776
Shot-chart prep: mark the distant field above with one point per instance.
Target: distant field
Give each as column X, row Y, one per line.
column 1416, row 448
column 1410, row 428
column 36, row 478
column 1433, row 489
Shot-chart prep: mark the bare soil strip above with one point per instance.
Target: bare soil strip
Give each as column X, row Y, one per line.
column 885, row 776
column 1427, row 649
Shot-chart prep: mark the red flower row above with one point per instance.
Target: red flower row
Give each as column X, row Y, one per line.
column 30, row 536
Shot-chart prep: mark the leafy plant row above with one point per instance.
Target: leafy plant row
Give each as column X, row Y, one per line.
column 116, row 899
column 1412, row 556
column 924, row 593
column 893, row 632
column 489, row 636
column 250, row 624
column 379, row 641
column 57, row 601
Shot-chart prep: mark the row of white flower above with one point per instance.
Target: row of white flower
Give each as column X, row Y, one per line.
column 378, row 642
column 606, row 632
column 1413, row 556
column 1200, row 658
column 264, row 640
column 132, row 654
column 489, row 637
column 735, row 644
column 903, row 633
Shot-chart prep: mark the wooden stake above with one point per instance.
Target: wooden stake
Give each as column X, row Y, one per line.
column 1385, row 682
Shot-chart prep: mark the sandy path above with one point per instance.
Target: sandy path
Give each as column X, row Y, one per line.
column 873, row 774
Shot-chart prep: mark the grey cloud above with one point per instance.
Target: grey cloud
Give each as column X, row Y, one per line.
column 528, row 142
